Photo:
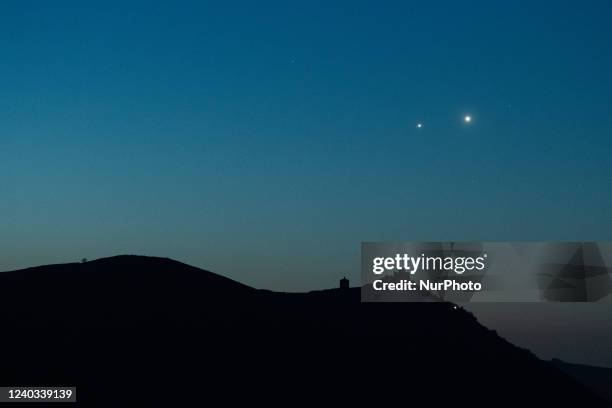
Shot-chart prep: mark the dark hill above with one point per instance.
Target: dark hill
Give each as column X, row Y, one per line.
column 599, row 379
column 113, row 290
column 129, row 331
column 139, row 272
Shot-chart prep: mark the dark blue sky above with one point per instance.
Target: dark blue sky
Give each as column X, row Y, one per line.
column 265, row 141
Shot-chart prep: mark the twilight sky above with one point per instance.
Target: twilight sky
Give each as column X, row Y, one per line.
column 266, row 140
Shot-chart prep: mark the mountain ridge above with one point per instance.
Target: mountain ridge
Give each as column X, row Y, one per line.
column 154, row 316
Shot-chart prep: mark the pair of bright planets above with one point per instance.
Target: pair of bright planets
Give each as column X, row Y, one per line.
column 467, row 119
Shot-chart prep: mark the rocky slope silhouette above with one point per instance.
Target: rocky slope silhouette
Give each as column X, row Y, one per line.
column 133, row 330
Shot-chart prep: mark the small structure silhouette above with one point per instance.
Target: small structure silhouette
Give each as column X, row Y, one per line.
column 344, row 283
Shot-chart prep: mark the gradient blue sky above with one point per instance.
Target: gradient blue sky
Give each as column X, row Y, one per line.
column 266, row 140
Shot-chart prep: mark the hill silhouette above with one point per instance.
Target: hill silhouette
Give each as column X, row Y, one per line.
column 599, row 379
column 133, row 330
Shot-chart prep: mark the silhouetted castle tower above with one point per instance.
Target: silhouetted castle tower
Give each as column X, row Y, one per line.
column 344, row 283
